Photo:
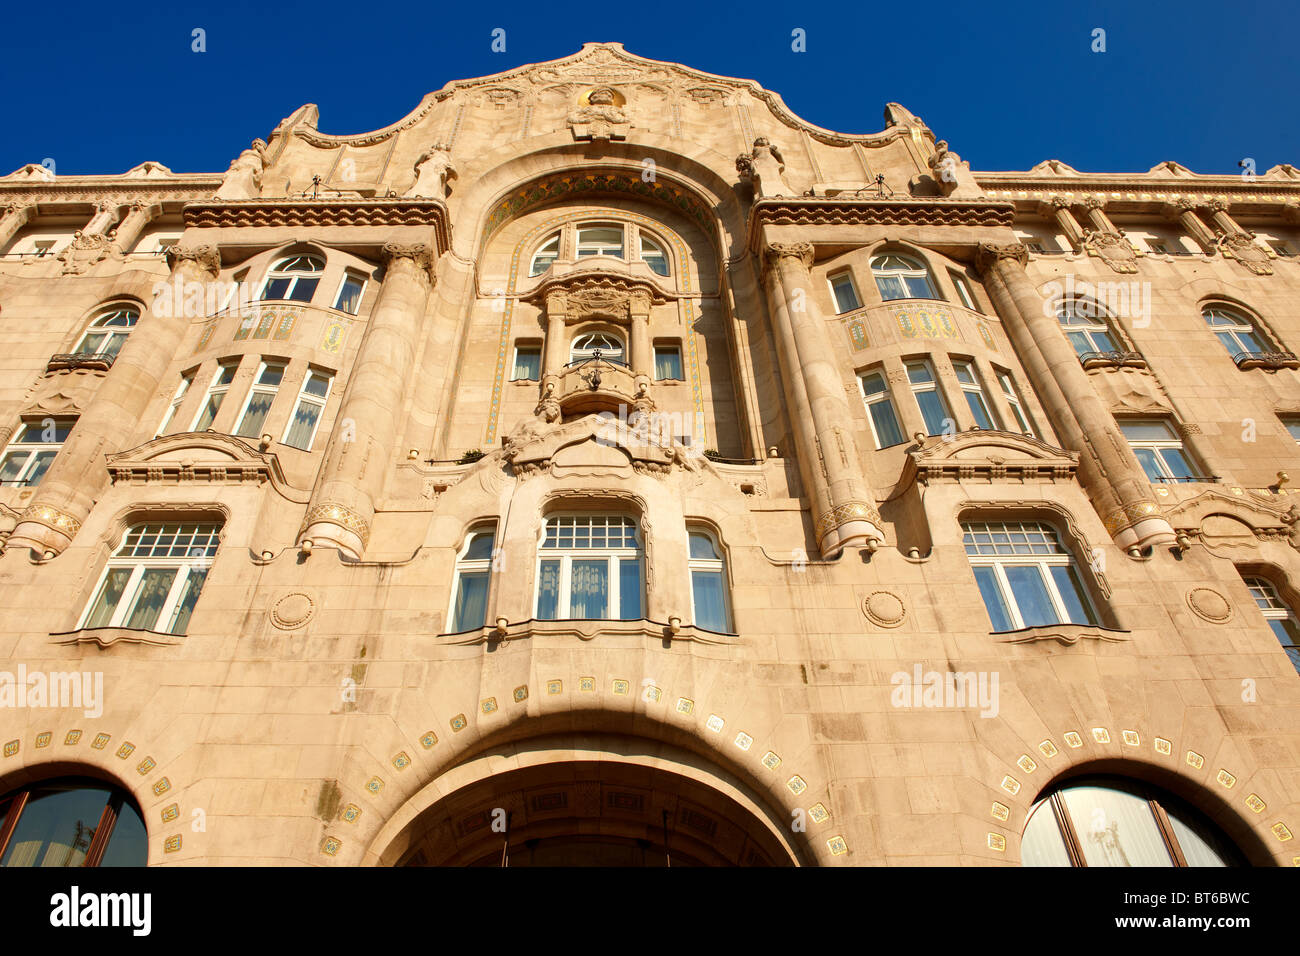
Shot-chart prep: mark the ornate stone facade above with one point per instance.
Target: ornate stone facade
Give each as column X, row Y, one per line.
column 661, row 342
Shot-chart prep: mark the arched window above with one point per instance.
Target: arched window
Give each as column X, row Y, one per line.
column 607, row 344
column 546, row 254
column 153, row 579
column 653, row 255
column 1235, row 330
column 1025, row 575
column 473, row 580
column 1112, row 821
column 1085, row 325
column 589, row 567
column 708, row 583
column 293, row 279
column 71, row 821
column 600, row 239
column 1281, row 619
column 898, row 277
column 107, row 332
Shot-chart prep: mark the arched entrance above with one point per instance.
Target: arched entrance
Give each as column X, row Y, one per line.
column 625, row 802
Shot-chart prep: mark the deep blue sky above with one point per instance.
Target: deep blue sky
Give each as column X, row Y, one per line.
column 101, row 87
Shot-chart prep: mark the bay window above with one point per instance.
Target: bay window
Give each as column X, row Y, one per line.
column 589, row 567
column 293, row 279
column 1025, row 576
column 1281, row 619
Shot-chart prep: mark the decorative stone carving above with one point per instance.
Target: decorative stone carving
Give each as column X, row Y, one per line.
column 884, row 609
column 988, row 253
column 1111, row 248
column 765, row 169
column 205, row 257
column 420, row 253
column 243, row 180
column 1242, row 247
column 433, row 173
column 292, row 610
column 84, row 251
column 776, row 251
column 952, row 175
column 600, row 119
column 1209, row 604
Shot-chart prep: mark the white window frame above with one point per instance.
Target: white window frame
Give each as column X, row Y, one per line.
column 847, row 275
column 1274, row 608
column 975, row 387
column 642, row 240
column 1043, row 562
column 965, row 293
column 258, row 388
column 681, row 365
column 718, row 565
column 349, row 275
column 178, row 398
column 1157, row 445
column 566, row 556
column 1235, row 324
column 1292, row 425
column 111, row 333
column 139, row 564
column 1073, row 317
column 581, row 353
column 466, row 565
column 543, row 253
column 303, row 397
column 32, row 449
column 913, row 270
column 526, row 347
column 931, row 386
column 216, row 387
column 886, row 398
column 279, row 270
column 590, row 248
column 1012, row 395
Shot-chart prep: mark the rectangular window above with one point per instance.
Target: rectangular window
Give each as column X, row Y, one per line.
column 668, row 363
column 589, row 568
column 260, row 396
column 1025, row 576
column 968, row 377
column 216, row 395
column 153, row 579
column 32, row 450
column 1158, row 247
column 308, row 409
column 880, row 410
column 846, row 293
column 602, row 240
column 1012, row 395
column 349, row 297
column 1281, row 248
column 934, row 410
column 964, row 292
column 1159, row 450
column 177, row 398
column 1281, row 619
column 1293, row 427
column 43, row 247
column 528, row 364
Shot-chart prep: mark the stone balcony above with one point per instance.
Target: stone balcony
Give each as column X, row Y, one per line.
column 593, row 385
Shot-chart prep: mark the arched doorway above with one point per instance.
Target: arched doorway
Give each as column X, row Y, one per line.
column 71, row 821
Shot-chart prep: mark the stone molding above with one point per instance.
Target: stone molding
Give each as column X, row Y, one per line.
column 323, row 212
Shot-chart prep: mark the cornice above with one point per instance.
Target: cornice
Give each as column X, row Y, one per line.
column 201, row 457
column 95, row 189
column 821, row 211
column 323, row 212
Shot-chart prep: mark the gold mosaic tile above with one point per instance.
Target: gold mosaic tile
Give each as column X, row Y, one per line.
column 714, row 723
column 838, row 846
column 401, row 760
column 554, row 687
column 1131, row 738
column 818, row 813
column 1000, row 811
column 1255, row 803
column 74, row 736
column 172, row 843
column 1195, row 760
column 997, row 842
column 520, row 693
column 1011, row 785
column 1072, row 739
column 1163, row 746
column 43, row 739
column 771, row 761
column 685, row 705
column 1101, row 735
column 620, row 687
column 1048, row 749
column 1227, row 779
column 428, row 740
column 796, row 785
column 744, row 741
column 1026, row 763
column 488, row 705
column 586, row 684
column 124, row 751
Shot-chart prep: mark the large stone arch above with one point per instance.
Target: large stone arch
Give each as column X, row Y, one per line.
column 627, row 781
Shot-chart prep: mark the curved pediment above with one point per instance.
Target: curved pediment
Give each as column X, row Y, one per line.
column 992, row 455
column 1261, row 519
column 594, row 443
column 200, row 456
column 597, row 286
column 194, row 446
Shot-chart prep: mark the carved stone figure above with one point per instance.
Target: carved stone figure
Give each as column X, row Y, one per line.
column 953, row 176
column 243, row 180
column 765, row 169
column 433, row 173
column 601, row 119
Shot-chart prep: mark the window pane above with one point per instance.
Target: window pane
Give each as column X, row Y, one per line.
column 259, row 403
column 846, row 298
column 180, row 621
column 589, row 589
column 668, row 363
column 891, row 287
column 1042, row 844
column 919, row 374
column 979, row 410
column 128, row 846
column 702, row 547
column 56, row 826
column 305, row 417
column 480, row 547
column 317, row 385
column 987, row 580
column 110, row 593
column 303, row 290
column 629, row 589
column 1080, row 342
column 276, row 288
column 1177, row 463
column 209, row 412
column 1115, row 828
column 918, row 287
column 710, row 600
column 1067, row 585
column 932, row 411
column 1030, row 594
column 349, row 296
column 471, row 600
column 1198, row 849
column 548, row 590
column 1150, row 463
column 13, row 464
column 886, row 422
column 528, row 365
column 41, row 463
column 150, row 597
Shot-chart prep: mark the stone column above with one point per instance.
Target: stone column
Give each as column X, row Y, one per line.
column 1058, row 209
column 105, row 216
column 69, row 488
column 1108, row 468
column 1096, row 208
column 844, row 513
column 554, row 351
column 133, row 224
column 14, row 217
column 1238, row 243
column 365, row 434
column 642, row 357
column 1184, row 212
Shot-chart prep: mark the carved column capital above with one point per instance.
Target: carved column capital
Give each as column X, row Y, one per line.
column 1053, row 206
column 1094, row 202
column 774, row 252
column 1291, row 211
column 557, row 302
column 205, row 257
column 1217, row 205
column 989, row 254
column 420, row 253
column 639, row 304
column 20, row 210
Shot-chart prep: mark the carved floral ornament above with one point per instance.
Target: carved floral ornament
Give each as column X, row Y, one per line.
column 420, row 254
column 204, row 257
column 774, row 252
column 587, row 293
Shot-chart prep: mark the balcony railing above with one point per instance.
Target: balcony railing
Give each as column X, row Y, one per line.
column 1114, row 359
column 98, row 361
column 1272, row 360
